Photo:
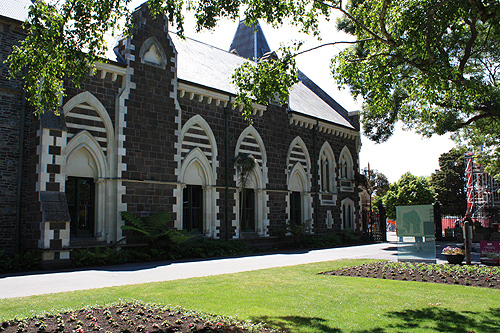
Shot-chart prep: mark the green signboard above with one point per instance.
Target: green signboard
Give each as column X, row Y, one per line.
column 415, row 230
column 415, row 221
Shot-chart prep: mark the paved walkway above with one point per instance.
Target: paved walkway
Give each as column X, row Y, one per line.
column 46, row 282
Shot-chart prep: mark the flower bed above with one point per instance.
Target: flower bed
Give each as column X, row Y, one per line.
column 130, row 318
column 467, row 275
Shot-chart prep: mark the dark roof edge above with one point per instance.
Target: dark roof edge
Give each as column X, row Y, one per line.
column 323, row 95
column 206, row 87
column 6, row 18
column 323, row 120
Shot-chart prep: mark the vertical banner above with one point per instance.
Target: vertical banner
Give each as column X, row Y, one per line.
column 470, row 184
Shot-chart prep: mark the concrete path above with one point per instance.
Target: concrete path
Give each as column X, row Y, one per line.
column 46, row 282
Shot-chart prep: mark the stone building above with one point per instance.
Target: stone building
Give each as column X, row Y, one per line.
column 158, row 130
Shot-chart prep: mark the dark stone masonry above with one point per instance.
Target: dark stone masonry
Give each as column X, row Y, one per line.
column 157, row 131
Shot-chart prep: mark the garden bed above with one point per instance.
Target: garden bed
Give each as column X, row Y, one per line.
column 466, row 275
column 130, row 318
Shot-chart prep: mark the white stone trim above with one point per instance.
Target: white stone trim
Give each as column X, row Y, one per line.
column 198, row 159
column 210, row 96
column 323, row 126
column 299, row 182
column 347, row 178
column 328, row 151
column 108, row 68
column 290, row 161
column 258, row 181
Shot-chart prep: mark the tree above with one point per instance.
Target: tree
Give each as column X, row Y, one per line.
column 449, row 182
column 434, row 65
column 408, row 190
column 374, row 182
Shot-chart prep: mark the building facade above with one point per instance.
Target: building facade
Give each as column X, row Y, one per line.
column 158, row 130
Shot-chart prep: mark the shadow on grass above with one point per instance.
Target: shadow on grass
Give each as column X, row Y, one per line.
column 433, row 319
column 295, row 323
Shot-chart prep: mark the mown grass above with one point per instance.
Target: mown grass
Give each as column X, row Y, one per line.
column 297, row 299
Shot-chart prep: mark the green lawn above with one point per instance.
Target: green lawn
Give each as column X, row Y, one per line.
column 297, row 299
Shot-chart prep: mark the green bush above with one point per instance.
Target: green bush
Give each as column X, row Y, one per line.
column 321, row 241
column 205, row 248
column 348, row 237
column 28, row 260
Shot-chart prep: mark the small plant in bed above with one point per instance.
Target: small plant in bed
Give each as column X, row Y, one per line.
column 130, row 317
column 469, row 275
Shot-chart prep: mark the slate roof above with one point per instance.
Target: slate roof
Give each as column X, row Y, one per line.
column 15, row 9
column 249, row 41
column 211, row 67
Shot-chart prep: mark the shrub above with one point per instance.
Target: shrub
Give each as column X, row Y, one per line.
column 205, row 248
column 28, row 260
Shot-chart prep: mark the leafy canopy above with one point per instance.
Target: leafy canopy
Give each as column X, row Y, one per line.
column 434, row 65
column 449, row 182
column 373, row 181
column 407, row 191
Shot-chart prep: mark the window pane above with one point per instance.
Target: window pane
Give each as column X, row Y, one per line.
column 247, row 202
column 192, row 199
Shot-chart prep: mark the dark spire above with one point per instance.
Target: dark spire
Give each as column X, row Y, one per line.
column 249, row 41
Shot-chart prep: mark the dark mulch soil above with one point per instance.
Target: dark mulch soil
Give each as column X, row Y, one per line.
column 476, row 276
column 130, row 318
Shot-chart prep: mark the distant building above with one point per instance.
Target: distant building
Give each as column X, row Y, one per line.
column 147, row 133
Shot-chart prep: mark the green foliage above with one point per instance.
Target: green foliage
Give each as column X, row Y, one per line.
column 431, row 65
column 373, row 182
column 95, row 257
column 206, row 248
column 348, row 237
column 298, row 231
column 64, row 38
column 320, row 241
column 449, row 183
column 244, row 165
column 22, row 261
column 155, row 229
column 408, row 190
column 262, row 81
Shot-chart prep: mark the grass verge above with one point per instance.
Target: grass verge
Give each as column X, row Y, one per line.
column 297, row 299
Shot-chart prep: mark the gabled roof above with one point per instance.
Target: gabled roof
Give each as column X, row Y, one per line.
column 15, row 9
column 249, row 41
column 211, row 67
column 205, row 65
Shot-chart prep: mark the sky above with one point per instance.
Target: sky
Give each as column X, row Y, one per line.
column 403, row 152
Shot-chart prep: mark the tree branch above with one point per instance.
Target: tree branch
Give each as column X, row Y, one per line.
column 334, row 43
column 381, row 21
column 430, row 24
column 468, row 47
column 474, row 119
column 361, row 25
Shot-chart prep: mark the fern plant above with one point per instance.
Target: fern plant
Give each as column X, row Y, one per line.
column 154, row 227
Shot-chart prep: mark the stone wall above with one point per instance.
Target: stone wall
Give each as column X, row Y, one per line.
column 11, row 113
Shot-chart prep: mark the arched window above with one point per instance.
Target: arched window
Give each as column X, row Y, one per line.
column 347, row 214
column 251, row 200
column 196, row 208
column 346, row 165
column 299, row 182
column 89, row 161
column 327, row 169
